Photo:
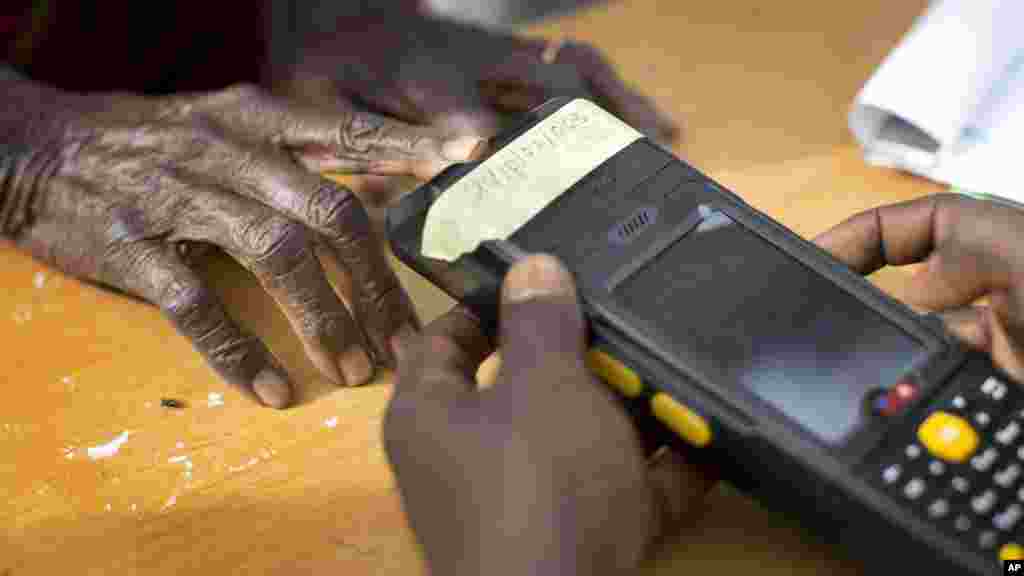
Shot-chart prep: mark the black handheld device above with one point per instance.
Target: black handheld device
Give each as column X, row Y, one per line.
column 819, row 394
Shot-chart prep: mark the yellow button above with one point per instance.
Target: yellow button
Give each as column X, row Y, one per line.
column 614, row 372
column 1011, row 551
column 488, row 370
column 948, row 436
column 689, row 425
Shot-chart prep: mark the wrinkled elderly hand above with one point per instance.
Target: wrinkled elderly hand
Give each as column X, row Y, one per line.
column 456, row 76
column 109, row 187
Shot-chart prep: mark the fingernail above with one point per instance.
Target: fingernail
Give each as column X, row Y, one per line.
column 487, row 372
column 272, row 388
column 536, row 277
column 463, row 148
column 355, row 366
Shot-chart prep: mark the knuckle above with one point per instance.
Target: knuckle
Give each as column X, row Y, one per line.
column 348, row 226
column 182, row 142
column 233, row 351
column 175, row 108
column 192, row 308
column 244, row 91
column 124, row 226
column 244, row 165
column 362, row 132
column 382, row 302
column 184, row 300
column 944, row 202
column 201, row 132
column 329, row 207
column 271, row 237
column 314, row 321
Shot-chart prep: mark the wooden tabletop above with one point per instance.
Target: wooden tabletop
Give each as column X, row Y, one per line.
column 97, row 478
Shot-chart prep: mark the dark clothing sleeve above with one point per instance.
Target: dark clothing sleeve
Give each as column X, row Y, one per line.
column 151, row 47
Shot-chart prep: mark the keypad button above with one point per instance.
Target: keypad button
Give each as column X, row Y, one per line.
column 962, row 523
column 938, row 509
column 614, row 372
column 982, row 462
column 984, row 502
column 1020, row 494
column 914, row 489
column 892, row 474
column 936, row 468
column 948, row 436
column 982, row 419
column 960, row 484
column 681, row 419
column 987, row 539
column 1020, row 453
column 1011, row 551
column 1007, row 476
column 897, row 398
column 912, row 451
column 1008, row 518
column 1008, row 433
column 959, row 402
column 994, row 388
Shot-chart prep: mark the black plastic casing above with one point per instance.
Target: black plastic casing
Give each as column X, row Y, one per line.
column 834, row 490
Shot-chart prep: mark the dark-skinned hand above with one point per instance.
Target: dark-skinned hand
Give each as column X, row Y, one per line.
column 457, row 77
column 109, row 187
column 460, row 77
column 969, row 249
column 541, row 472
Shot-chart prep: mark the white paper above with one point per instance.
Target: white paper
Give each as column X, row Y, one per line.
column 518, row 181
column 948, row 102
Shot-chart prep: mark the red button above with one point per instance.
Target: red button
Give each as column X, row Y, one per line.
column 906, row 390
column 898, row 397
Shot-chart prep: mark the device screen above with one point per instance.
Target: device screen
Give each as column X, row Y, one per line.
column 766, row 322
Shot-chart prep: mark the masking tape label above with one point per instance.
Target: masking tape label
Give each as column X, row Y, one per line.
column 518, row 181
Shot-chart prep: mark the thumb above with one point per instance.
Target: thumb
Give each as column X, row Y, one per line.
column 542, row 330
